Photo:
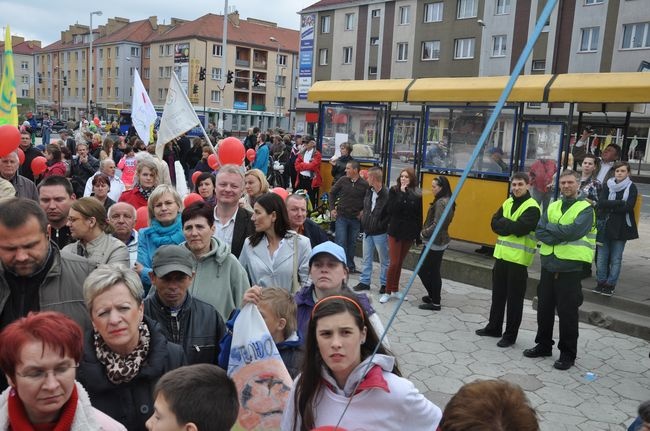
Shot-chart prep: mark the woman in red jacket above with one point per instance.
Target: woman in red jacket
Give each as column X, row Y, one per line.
column 146, row 179
column 55, row 164
column 308, row 169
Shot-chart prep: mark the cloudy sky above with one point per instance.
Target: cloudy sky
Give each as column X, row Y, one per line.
column 44, row 20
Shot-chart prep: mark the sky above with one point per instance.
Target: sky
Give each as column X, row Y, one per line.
column 44, row 20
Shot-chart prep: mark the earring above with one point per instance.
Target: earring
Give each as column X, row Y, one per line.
column 141, row 325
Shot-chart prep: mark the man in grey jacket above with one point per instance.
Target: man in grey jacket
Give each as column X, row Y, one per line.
column 374, row 222
column 33, row 276
column 25, row 188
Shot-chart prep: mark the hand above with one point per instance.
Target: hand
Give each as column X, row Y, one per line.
column 138, row 267
column 83, row 159
column 253, row 295
column 403, row 187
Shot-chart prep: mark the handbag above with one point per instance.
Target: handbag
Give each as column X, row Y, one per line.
column 295, row 283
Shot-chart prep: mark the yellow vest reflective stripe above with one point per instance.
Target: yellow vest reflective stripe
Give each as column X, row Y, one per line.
column 582, row 249
column 512, row 248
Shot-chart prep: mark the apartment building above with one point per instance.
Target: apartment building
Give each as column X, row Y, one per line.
column 433, row 38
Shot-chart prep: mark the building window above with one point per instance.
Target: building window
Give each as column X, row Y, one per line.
column 215, row 96
column 76, row 56
column 101, row 72
column 161, row 72
column 282, row 81
column 101, row 52
column 590, row 2
column 282, row 60
column 108, row 72
column 325, row 24
column 375, row 13
column 67, row 56
column 503, row 7
column 322, row 57
column 146, row 73
column 147, row 52
column 539, row 65
column 217, row 50
column 347, row 55
column 349, row 21
column 117, row 52
column 83, row 55
column 168, row 72
column 160, row 94
column 372, row 70
column 24, row 65
column 117, row 91
column 279, row 101
column 402, row 51
column 216, row 73
column 464, row 48
column 431, row 50
column 130, row 71
column 374, row 41
column 433, row 12
column 589, row 39
column 467, row 9
column 499, row 45
column 24, row 79
column 101, row 91
column 404, row 14
column 636, row 35
column 168, row 50
column 24, row 93
column 161, row 50
column 135, row 52
column 108, row 53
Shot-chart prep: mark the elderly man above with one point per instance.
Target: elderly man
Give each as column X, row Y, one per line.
column 220, row 279
column 193, row 324
column 55, row 198
column 107, row 167
column 232, row 224
column 30, row 154
column 121, row 217
column 33, row 276
column 25, row 188
column 297, row 210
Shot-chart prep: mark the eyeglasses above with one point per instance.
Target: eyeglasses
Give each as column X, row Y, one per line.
column 38, row 375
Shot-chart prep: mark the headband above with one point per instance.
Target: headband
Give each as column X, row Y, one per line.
column 337, row 297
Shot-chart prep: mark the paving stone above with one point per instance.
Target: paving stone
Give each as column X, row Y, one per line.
column 602, row 412
column 526, row 382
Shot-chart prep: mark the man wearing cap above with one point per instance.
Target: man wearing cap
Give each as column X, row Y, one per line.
column 329, row 274
column 24, row 187
column 193, row 324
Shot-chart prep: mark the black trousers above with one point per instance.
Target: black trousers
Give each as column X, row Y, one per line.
column 508, row 289
column 561, row 291
column 305, row 184
column 430, row 274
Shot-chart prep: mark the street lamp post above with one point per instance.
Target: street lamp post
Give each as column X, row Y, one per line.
column 278, row 108
column 90, row 62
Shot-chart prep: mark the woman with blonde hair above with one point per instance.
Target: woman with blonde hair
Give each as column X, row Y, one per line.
column 146, row 179
column 255, row 185
column 89, row 226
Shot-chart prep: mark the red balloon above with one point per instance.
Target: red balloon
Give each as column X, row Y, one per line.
column 96, row 121
column 231, row 151
column 39, row 165
column 195, row 175
column 191, row 198
column 250, row 155
column 9, row 139
column 280, row 192
column 363, row 173
column 213, row 161
column 21, row 156
column 142, row 218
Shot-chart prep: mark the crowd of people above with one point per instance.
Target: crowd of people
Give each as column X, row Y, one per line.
column 119, row 297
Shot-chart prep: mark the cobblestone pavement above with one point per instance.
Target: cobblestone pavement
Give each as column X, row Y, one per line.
column 439, row 352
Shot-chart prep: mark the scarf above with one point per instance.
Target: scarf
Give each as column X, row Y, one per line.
column 145, row 192
column 163, row 235
column 623, row 186
column 19, row 420
column 122, row 369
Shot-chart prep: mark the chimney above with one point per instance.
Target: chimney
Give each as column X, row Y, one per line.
column 153, row 21
column 233, row 17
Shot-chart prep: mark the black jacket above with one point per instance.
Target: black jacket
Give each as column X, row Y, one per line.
column 525, row 224
column 347, row 196
column 26, row 168
column 614, row 214
column 130, row 403
column 405, row 213
column 375, row 222
column 314, row 232
column 243, row 229
column 200, row 327
column 338, row 170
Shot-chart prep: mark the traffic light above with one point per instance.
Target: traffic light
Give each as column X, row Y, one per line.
column 40, row 78
column 229, row 78
column 256, row 80
column 202, row 74
column 195, row 89
column 65, row 80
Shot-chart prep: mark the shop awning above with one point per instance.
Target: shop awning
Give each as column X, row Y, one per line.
column 617, row 87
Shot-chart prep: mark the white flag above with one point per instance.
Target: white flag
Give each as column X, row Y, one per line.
column 143, row 113
column 178, row 115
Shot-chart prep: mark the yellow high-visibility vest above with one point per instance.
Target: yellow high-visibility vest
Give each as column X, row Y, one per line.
column 512, row 248
column 582, row 249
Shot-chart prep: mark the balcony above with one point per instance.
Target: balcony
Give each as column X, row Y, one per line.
column 259, row 64
column 242, row 63
column 241, row 84
column 260, row 89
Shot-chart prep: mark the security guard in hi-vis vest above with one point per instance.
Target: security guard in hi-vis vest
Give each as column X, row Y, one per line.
column 514, row 223
column 568, row 239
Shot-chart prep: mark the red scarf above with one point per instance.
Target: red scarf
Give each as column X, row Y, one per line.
column 18, row 420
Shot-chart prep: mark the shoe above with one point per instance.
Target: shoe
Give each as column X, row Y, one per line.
column 426, row 299
column 384, row 298
column 399, row 295
column 505, row 342
column 361, row 286
column 382, row 289
column 484, row 332
column 537, row 352
column 608, row 290
column 430, row 306
column 598, row 288
column 563, row 363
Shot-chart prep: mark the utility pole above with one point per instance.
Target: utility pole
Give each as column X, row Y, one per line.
column 224, row 66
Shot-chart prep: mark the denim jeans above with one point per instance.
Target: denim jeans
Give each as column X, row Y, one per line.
column 346, row 233
column 370, row 243
column 608, row 261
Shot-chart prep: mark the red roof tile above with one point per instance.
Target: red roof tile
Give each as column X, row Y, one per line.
column 137, row 31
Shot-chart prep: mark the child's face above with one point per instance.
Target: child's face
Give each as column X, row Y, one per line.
column 163, row 419
column 274, row 323
column 206, row 154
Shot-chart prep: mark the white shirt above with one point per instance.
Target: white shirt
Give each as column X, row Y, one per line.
column 307, row 158
column 117, row 187
column 604, row 169
column 224, row 231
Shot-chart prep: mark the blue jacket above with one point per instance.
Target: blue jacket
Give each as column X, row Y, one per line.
column 152, row 237
column 262, row 158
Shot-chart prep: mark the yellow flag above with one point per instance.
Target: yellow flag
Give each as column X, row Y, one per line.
column 8, row 105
